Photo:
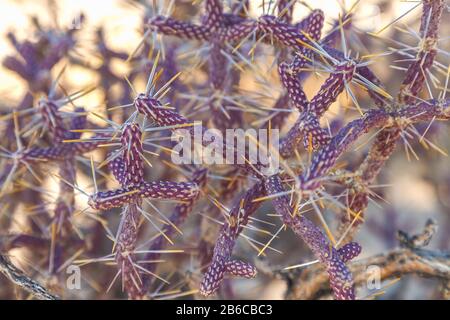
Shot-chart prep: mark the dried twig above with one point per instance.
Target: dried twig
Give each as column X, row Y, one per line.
column 16, row 276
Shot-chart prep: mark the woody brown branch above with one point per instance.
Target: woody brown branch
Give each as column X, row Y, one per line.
column 313, row 284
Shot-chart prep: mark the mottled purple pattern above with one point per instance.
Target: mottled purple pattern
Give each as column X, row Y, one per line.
column 78, row 122
column 52, row 120
column 153, row 109
column 333, row 86
column 65, row 202
column 282, row 32
column 416, row 73
column 104, row 200
column 349, row 251
column 386, row 140
column 292, row 139
column 133, row 168
column 290, row 81
column 380, row 152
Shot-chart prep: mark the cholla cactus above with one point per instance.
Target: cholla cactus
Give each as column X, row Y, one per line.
column 207, row 219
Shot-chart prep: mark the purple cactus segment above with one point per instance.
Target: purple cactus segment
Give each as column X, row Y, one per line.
column 313, row 24
column 166, row 117
column 306, row 129
column 237, row 31
column 367, row 75
column 56, row 153
column 88, row 146
column 125, row 245
column 183, row 191
column 284, row 33
column 292, row 139
column 172, row 27
column 416, row 73
column 423, row 112
column 349, row 251
column 377, row 98
column 314, row 135
column 117, row 167
column 26, row 49
column 240, row 269
column 341, row 280
column 177, row 218
column 105, row 200
column 57, row 51
column 278, row 118
column 213, row 277
column 289, row 79
column 301, row 58
column 13, row 241
column 133, row 173
column 217, row 66
column 332, row 87
column 213, row 19
column 66, row 199
column 238, row 218
column 415, row 76
column 153, row 109
column 386, row 140
column 285, row 10
column 15, row 65
column 78, row 122
column 307, row 126
column 52, row 119
column 431, row 17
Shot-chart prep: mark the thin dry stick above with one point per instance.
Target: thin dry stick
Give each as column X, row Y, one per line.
column 17, row 277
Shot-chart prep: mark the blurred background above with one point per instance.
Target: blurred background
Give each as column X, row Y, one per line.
column 414, row 186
